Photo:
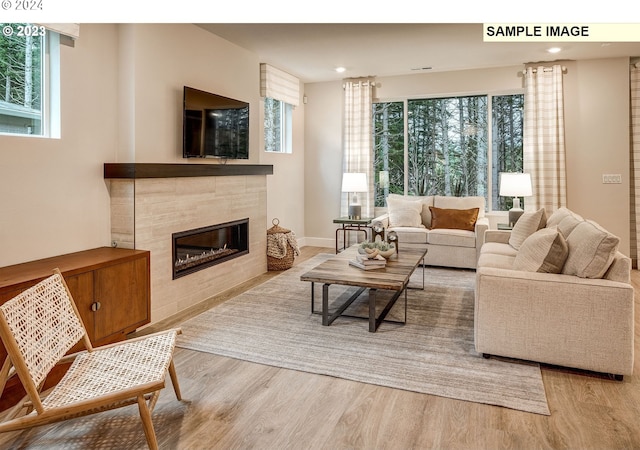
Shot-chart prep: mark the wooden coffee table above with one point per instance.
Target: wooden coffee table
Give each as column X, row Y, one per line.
column 393, row 277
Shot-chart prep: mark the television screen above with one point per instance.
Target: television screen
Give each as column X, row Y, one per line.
column 214, row 126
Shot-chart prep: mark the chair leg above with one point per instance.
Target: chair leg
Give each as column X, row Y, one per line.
column 174, row 380
column 145, row 415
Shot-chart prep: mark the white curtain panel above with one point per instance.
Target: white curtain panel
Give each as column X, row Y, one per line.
column 544, row 145
column 634, row 78
column 358, row 146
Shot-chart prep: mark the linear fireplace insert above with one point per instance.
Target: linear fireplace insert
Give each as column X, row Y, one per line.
column 204, row 247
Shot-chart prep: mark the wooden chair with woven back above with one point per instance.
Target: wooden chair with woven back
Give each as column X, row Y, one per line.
column 39, row 327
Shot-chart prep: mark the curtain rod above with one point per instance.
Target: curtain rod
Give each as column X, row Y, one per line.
column 371, row 83
column 545, row 69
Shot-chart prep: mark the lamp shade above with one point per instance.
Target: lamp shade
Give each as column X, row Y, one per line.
column 354, row 182
column 515, row 184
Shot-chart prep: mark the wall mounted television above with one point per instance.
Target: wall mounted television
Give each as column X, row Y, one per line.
column 214, row 126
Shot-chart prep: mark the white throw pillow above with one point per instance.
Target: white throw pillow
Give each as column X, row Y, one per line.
column 546, row 251
column 565, row 219
column 591, row 250
column 404, row 213
column 527, row 224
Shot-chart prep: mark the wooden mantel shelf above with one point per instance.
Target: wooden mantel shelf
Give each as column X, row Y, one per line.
column 161, row 170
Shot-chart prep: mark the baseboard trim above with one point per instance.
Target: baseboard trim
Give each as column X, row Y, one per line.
column 317, row 242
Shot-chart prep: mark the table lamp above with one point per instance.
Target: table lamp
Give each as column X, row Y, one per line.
column 516, row 185
column 353, row 183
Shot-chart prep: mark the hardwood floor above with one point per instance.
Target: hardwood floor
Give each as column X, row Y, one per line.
column 237, row 404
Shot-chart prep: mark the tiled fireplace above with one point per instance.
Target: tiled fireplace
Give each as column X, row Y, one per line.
column 149, row 211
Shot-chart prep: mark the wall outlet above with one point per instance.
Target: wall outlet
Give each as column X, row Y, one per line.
column 611, row 178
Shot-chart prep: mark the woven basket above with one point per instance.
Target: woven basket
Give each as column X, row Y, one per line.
column 283, row 263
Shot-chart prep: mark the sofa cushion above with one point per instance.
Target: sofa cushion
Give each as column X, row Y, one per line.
column 451, row 237
column 527, row 224
column 591, row 250
column 498, row 248
column 449, row 202
column 496, row 261
column 457, row 219
column 404, row 213
column 546, row 251
column 410, row 235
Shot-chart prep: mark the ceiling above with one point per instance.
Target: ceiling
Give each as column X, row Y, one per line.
column 313, row 51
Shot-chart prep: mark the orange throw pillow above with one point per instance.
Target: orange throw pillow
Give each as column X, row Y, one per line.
column 458, row 219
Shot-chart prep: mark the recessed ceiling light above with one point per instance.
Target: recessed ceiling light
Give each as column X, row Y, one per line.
column 554, row 50
column 340, row 69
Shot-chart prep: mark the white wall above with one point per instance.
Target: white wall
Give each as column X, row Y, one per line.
column 323, row 161
column 597, row 137
column 159, row 61
column 53, row 198
column 167, row 57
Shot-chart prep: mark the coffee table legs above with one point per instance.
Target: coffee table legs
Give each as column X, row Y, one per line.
column 328, row 319
column 374, row 322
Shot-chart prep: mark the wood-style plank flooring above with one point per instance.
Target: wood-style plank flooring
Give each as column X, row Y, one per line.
column 231, row 404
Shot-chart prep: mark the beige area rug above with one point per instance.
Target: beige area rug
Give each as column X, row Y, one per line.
column 433, row 353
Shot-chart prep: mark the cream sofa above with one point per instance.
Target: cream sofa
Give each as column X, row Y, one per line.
column 411, row 218
column 581, row 317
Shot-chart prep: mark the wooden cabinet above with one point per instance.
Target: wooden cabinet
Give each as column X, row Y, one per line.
column 111, row 288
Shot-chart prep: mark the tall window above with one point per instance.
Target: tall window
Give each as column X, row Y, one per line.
column 442, row 146
column 388, row 149
column 507, row 128
column 277, row 126
column 25, row 80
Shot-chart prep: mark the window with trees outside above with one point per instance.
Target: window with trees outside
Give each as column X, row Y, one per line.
column 447, row 146
column 27, row 94
column 277, row 126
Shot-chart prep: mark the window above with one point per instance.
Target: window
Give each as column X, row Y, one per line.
column 507, row 122
column 439, row 146
column 29, row 86
column 277, row 126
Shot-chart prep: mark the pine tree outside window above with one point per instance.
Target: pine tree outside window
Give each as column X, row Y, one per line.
column 440, row 146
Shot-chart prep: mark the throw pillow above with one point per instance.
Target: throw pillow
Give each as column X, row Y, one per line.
column 546, row 251
column 556, row 217
column 457, row 219
column 527, row 224
column 404, row 213
column 425, row 201
column 591, row 250
column 568, row 224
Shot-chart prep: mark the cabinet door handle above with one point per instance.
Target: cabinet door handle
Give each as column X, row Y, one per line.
column 95, row 306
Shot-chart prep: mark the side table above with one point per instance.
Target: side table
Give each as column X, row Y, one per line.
column 504, row 226
column 350, row 224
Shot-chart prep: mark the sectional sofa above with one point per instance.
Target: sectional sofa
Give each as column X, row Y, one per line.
column 556, row 291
